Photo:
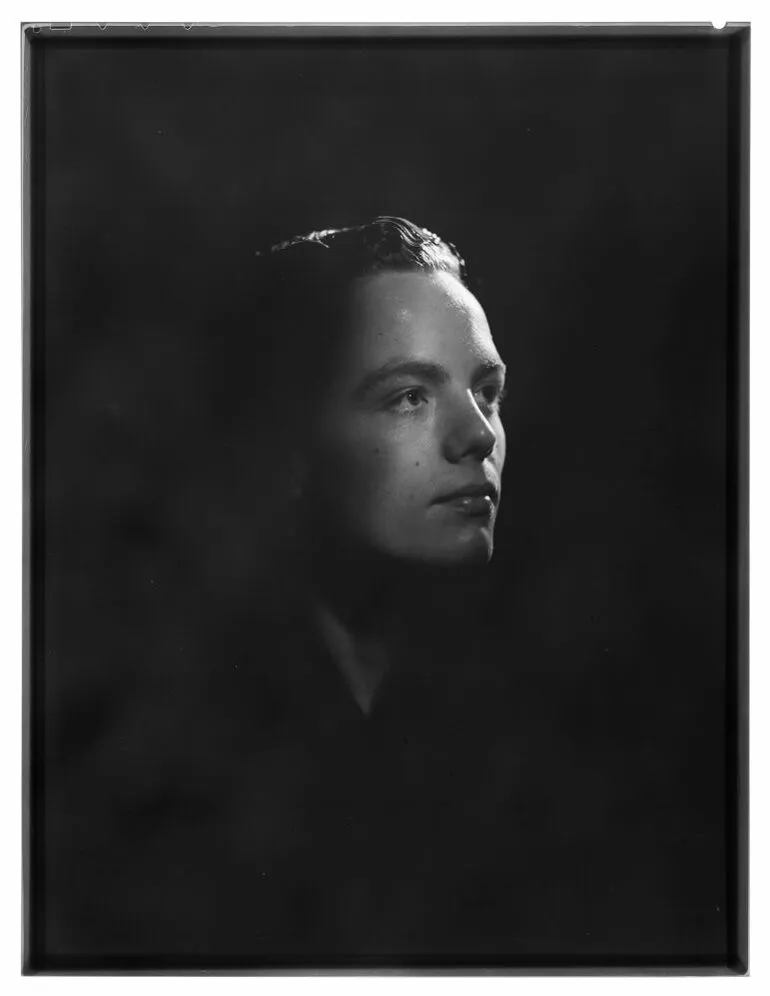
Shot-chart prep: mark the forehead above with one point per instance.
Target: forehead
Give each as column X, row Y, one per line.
column 430, row 316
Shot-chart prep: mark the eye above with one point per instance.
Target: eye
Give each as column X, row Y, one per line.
column 407, row 401
column 490, row 396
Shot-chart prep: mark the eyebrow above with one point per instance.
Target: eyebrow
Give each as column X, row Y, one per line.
column 434, row 373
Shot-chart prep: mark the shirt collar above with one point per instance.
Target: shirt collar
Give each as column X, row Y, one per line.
column 362, row 669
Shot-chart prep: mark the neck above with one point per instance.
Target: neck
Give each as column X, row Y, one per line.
column 384, row 611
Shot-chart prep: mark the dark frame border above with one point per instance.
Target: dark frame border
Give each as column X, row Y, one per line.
column 36, row 35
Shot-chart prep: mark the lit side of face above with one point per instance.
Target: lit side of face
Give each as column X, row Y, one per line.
column 410, row 445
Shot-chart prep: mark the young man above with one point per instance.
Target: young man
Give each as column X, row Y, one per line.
column 394, row 431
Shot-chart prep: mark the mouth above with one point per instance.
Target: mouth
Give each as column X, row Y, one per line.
column 474, row 500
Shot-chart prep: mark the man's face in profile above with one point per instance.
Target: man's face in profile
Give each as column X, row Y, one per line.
column 411, row 442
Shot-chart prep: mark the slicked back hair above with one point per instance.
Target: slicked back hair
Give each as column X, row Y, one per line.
column 386, row 243
column 302, row 296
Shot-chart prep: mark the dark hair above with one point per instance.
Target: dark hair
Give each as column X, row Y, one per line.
column 301, row 294
column 280, row 316
column 386, row 243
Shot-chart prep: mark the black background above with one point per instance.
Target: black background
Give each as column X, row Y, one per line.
column 587, row 182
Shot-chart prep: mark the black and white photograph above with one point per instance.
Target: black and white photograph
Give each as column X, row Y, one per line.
column 385, row 498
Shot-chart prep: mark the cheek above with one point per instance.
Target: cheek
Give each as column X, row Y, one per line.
column 383, row 468
column 500, row 444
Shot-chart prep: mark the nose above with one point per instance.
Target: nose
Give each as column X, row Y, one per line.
column 468, row 433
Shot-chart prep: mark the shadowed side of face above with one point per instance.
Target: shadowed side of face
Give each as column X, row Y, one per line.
column 409, row 446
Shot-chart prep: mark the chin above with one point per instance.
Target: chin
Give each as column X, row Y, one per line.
column 473, row 552
column 476, row 557
column 469, row 547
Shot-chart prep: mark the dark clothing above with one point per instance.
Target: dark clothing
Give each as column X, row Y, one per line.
column 265, row 819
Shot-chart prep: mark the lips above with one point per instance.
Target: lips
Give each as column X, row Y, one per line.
column 472, row 500
column 471, row 491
